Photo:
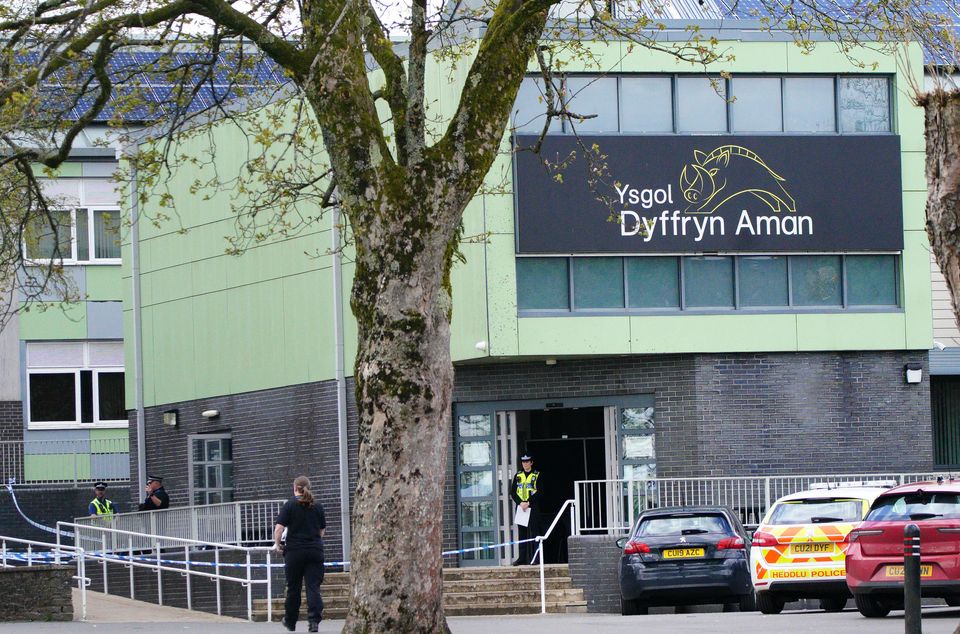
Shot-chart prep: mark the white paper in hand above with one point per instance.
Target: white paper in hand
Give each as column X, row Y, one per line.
column 521, row 517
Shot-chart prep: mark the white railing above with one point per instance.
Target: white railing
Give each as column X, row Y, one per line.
column 37, row 553
column 542, row 538
column 192, row 559
column 65, row 461
column 611, row 506
column 237, row 523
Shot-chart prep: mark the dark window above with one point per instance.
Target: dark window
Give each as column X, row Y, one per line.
column 816, row 280
column 111, row 396
column 763, row 281
column 53, row 397
column 543, row 283
column 211, row 478
column 86, row 396
column 708, row 282
column 653, row 282
column 598, row 283
column 871, row 280
column 916, row 506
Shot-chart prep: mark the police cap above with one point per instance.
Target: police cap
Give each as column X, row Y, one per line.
column 526, row 458
column 153, row 478
column 99, row 485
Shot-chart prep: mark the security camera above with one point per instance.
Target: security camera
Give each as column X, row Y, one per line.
column 938, row 345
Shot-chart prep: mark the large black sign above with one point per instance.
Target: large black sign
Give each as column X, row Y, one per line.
column 682, row 194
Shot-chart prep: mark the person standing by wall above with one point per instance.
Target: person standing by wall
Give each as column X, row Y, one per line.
column 526, row 491
column 100, row 506
column 157, row 497
column 302, row 516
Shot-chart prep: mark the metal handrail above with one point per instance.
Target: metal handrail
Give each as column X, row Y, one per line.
column 58, row 550
column 539, row 553
column 156, row 561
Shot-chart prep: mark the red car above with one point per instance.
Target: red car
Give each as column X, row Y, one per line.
column 875, row 556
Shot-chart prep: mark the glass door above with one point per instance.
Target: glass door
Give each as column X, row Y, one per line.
column 476, row 491
column 506, row 466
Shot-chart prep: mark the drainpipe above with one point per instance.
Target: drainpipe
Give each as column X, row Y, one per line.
column 137, row 321
column 341, row 388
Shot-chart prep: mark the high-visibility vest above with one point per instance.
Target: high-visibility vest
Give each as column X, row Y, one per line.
column 526, row 484
column 104, row 507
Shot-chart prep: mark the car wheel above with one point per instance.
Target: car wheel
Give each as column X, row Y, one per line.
column 748, row 603
column 953, row 602
column 769, row 603
column 833, row 604
column 871, row 607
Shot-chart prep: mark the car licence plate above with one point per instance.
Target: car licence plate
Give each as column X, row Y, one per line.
column 926, row 570
column 683, row 553
column 810, row 549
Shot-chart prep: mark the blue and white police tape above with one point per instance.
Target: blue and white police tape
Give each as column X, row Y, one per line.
column 16, row 505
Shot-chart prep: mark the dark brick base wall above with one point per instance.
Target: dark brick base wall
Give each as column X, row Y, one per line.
column 277, row 435
column 40, row 593
column 11, row 421
column 716, row 415
column 44, row 506
column 593, row 567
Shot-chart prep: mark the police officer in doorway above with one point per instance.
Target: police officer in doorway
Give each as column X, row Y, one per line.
column 526, row 491
column 100, row 506
column 157, row 497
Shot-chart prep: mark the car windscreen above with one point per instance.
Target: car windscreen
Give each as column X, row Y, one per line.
column 666, row 525
column 916, row 506
column 817, row 511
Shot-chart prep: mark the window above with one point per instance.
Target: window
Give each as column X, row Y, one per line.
column 646, row 104
column 708, row 282
column 695, row 104
column 808, row 104
column 75, row 385
column 211, row 468
column 757, row 104
column 598, row 282
column 701, row 104
column 543, row 283
column 78, row 235
column 759, row 283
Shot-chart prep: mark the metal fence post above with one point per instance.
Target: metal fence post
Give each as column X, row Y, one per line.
column 911, row 579
column 269, row 588
column 766, row 496
column 159, row 575
column 186, row 560
column 543, row 583
column 249, row 591
column 103, row 554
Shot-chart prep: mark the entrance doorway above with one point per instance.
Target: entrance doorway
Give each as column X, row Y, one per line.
column 567, row 445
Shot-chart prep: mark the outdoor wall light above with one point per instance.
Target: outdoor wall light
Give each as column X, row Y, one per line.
column 170, row 417
column 210, row 413
column 551, row 362
column 913, row 372
column 481, row 345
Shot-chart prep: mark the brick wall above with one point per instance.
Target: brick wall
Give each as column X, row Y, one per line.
column 277, row 435
column 45, row 506
column 40, row 593
column 593, row 567
column 11, row 421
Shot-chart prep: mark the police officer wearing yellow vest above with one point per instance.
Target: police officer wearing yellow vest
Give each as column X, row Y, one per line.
column 527, row 491
column 100, row 506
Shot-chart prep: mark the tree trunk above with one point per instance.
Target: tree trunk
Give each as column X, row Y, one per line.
column 943, row 184
column 404, row 380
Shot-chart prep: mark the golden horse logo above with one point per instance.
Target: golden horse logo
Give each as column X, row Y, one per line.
column 727, row 172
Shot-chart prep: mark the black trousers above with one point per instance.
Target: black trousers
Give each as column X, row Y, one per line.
column 531, row 530
column 303, row 564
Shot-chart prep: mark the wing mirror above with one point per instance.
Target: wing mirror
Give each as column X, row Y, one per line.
column 622, row 542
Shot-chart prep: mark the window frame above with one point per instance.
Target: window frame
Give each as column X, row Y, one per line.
column 193, row 489
column 77, row 389
column 74, row 260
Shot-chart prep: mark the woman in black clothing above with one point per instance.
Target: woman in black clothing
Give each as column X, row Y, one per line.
column 303, row 518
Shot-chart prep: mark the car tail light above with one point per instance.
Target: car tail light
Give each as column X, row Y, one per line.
column 764, row 539
column 857, row 533
column 728, row 543
column 635, row 548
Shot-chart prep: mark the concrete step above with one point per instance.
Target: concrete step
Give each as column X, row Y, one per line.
column 460, row 599
column 515, row 608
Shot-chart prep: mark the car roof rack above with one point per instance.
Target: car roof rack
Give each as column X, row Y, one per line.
column 887, row 484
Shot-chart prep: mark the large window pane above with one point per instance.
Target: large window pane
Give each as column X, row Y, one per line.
column 110, row 396
column 477, row 514
column 864, row 104
column 816, row 280
column 475, row 425
column 592, row 96
column 86, row 396
column 530, row 109
column 479, row 540
column 708, row 282
column 598, row 283
column 475, row 454
column 701, row 104
column 49, row 237
column 53, row 397
column 542, row 283
column 653, row 282
column 476, row 484
column 83, row 235
column 646, row 104
column 756, row 105
column 106, row 234
column 808, row 104
column 763, row 281
column 871, row 280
